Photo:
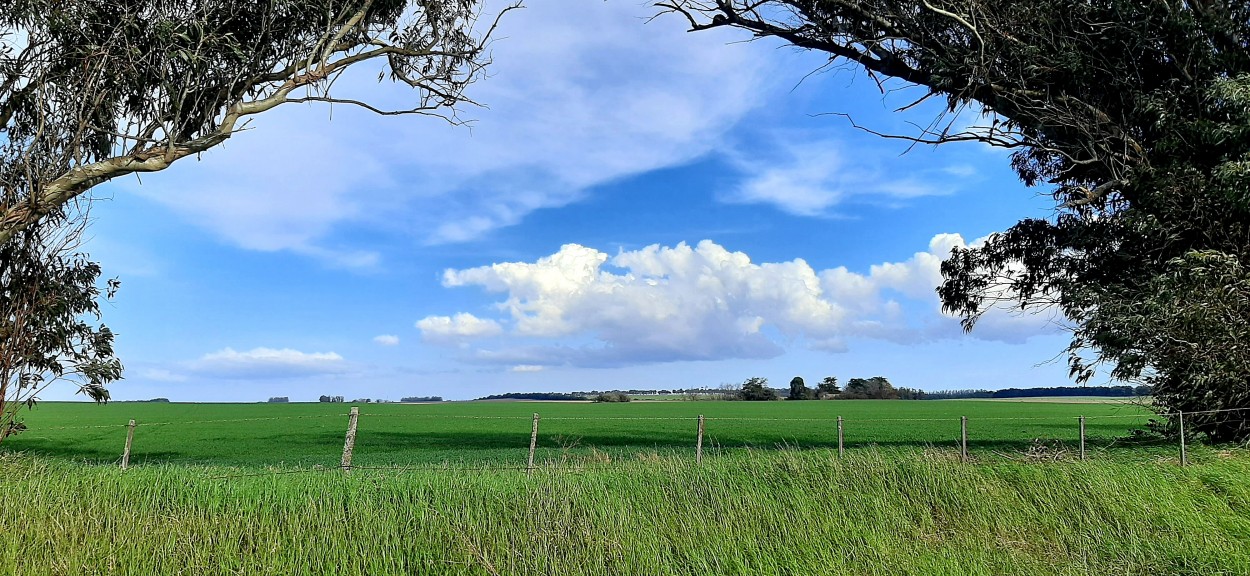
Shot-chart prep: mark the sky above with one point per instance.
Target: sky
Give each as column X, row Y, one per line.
column 635, row 206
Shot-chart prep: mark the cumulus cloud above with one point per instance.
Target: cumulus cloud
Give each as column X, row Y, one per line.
column 456, row 328
column 267, row 363
column 386, row 340
column 583, row 307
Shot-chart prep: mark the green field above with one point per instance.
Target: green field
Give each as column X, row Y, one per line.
column 228, row 489
column 497, row 433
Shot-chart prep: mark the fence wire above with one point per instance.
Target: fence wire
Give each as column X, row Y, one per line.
column 1056, row 442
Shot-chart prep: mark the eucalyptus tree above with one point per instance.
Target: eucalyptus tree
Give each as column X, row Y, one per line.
column 1136, row 115
column 91, row 90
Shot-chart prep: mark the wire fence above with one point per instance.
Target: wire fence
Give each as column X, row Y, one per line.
column 551, row 441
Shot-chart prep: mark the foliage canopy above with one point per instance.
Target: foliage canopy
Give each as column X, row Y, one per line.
column 757, row 389
column 1137, row 114
column 91, row 90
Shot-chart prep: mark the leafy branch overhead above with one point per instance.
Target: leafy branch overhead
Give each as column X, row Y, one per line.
column 95, row 89
column 1137, row 114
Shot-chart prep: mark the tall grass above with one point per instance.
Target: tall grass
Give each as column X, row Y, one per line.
column 751, row 512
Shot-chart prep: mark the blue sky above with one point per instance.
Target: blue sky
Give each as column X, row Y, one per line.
column 638, row 207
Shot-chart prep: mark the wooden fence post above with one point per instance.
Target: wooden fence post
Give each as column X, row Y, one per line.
column 1082, row 438
column 130, row 437
column 698, row 449
column 1184, row 456
column 350, row 443
column 963, row 436
column 841, row 451
column 529, row 468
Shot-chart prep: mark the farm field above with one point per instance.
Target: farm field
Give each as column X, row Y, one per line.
column 497, row 433
column 217, row 489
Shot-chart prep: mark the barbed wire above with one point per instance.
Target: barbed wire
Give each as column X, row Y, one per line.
column 459, row 416
column 242, row 420
column 834, row 419
column 211, row 421
column 83, row 427
column 403, row 468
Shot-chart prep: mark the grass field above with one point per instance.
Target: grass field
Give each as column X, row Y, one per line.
column 791, row 512
column 498, row 432
column 226, row 489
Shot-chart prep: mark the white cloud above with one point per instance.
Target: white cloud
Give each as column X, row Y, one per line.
column 386, row 340
column 585, row 308
column 282, row 188
column 267, row 363
column 811, row 178
column 579, row 94
column 443, row 329
column 961, row 170
column 526, row 368
column 161, row 375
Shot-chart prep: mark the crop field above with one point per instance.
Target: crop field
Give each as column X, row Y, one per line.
column 497, row 433
column 227, row 489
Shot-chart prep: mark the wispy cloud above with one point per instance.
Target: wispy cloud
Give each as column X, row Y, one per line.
column 386, row 340
column 579, row 94
column 161, row 375
column 261, row 363
column 809, row 177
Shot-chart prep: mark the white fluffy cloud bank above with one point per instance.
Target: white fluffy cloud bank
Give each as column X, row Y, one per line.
column 583, row 307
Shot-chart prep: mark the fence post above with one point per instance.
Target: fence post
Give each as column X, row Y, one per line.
column 1184, row 457
column 698, row 449
column 963, row 437
column 841, row 451
column 350, row 443
column 1082, row 438
column 529, row 468
column 130, row 437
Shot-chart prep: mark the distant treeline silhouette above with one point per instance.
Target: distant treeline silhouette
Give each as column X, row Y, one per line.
column 1054, row 392
column 535, row 396
column 421, row 399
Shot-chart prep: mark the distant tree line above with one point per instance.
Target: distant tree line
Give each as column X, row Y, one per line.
column 880, row 388
column 278, row 399
column 653, row 392
column 324, row 398
column 422, row 399
column 536, row 396
column 612, row 397
column 875, row 388
column 1051, row 392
